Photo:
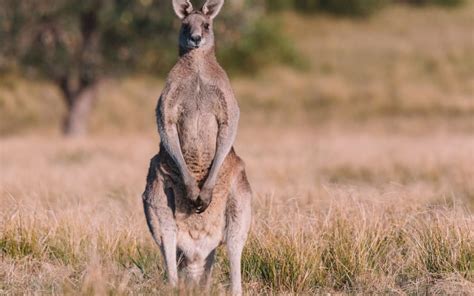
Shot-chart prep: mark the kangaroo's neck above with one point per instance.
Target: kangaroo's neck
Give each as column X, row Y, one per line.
column 198, row 58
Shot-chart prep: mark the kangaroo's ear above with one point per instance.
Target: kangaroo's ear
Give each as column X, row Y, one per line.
column 182, row 8
column 212, row 7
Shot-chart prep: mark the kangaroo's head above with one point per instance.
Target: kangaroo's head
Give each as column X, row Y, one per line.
column 196, row 25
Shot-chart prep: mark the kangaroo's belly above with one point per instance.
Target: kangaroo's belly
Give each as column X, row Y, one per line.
column 198, row 136
column 198, row 235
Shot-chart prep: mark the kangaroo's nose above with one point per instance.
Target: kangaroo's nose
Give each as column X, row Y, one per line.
column 196, row 38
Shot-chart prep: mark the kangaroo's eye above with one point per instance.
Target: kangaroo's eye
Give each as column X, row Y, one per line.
column 206, row 26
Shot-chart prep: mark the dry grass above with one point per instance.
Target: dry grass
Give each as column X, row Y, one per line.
column 334, row 211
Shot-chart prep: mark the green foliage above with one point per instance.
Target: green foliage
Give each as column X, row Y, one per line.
column 80, row 41
column 261, row 44
column 347, row 7
column 447, row 3
column 339, row 7
column 352, row 7
column 84, row 39
column 276, row 5
column 76, row 43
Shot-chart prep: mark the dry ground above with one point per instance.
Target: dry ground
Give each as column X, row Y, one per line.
column 333, row 211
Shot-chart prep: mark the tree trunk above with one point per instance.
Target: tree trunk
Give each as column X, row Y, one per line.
column 78, row 112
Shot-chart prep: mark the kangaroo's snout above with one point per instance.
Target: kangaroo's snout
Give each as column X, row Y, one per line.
column 195, row 40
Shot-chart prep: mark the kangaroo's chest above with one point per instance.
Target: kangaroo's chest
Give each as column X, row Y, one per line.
column 197, row 123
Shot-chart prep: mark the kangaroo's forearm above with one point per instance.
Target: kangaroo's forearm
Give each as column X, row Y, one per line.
column 225, row 140
column 170, row 140
column 228, row 121
column 166, row 120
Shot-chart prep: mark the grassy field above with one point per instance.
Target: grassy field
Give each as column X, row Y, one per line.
column 361, row 164
column 340, row 211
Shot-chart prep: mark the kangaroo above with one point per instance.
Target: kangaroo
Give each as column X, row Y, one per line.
column 197, row 194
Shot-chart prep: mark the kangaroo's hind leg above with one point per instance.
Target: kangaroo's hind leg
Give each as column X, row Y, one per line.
column 159, row 206
column 238, row 223
column 207, row 277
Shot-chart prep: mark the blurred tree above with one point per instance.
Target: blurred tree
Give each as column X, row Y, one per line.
column 75, row 43
column 358, row 8
column 447, row 3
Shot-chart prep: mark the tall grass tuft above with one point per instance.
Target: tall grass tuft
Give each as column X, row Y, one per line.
column 355, row 247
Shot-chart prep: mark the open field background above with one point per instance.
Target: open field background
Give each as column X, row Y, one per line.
column 361, row 161
column 404, row 67
column 342, row 211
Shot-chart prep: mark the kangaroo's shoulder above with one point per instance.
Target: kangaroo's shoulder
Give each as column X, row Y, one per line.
column 217, row 74
column 179, row 74
column 185, row 75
